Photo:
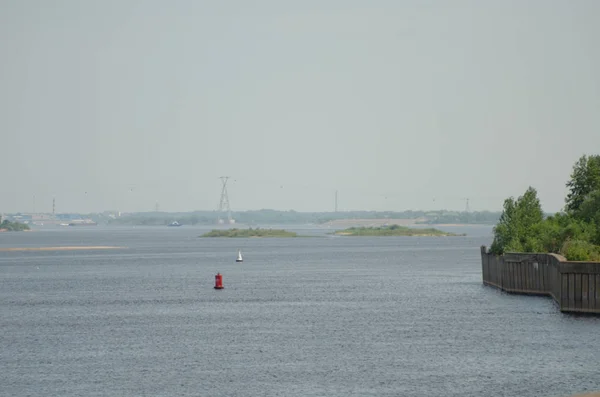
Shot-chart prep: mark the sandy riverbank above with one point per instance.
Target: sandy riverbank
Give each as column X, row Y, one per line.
column 68, row 248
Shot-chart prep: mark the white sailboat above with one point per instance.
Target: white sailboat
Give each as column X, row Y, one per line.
column 239, row 258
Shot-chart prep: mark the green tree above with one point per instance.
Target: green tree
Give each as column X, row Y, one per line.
column 574, row 233
column 547, row 235
column 505, row 231
column 518, row 227
column 585, row 178
column 589, row 212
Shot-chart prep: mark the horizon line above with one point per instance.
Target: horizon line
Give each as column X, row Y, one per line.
column 256, row 210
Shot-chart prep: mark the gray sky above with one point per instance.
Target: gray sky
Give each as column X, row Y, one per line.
column 396, row 104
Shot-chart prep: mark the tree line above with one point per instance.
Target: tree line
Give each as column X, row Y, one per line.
column 12, row 226
column 573, row 232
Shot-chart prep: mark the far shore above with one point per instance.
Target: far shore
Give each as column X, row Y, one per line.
column 345, row 223
column 63, row 248
column 455, row 224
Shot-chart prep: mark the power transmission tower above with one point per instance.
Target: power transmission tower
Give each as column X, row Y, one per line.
column 467, row 206
column 156, row 207
column 224, row 202
column 53, row 205
column 336, row 207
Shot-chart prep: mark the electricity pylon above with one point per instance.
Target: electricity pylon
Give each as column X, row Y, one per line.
column 224, row 202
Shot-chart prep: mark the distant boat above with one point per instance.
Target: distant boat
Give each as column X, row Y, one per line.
column 174, row 223
column 239, row 258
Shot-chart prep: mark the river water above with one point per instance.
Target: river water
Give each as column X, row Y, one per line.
column 322, row 316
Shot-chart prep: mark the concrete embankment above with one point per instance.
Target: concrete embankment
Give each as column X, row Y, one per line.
column 575, row 286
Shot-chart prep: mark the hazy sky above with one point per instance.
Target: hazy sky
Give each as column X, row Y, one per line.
column 396, row 104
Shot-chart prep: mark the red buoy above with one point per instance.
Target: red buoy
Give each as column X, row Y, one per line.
column 218, row 281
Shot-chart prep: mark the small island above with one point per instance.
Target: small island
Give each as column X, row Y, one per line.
column 8, row 226
column 249, row 233
column 393, row 230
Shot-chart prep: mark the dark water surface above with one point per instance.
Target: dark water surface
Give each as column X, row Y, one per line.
column 326, row 316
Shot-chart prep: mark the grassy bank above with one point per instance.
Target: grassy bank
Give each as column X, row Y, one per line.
column 249, row 233
column 393, row 230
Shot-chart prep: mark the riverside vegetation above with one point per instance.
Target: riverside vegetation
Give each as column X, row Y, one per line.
column 393, row 230
column 249, row 233
column 8, row 226
column 573, row 232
